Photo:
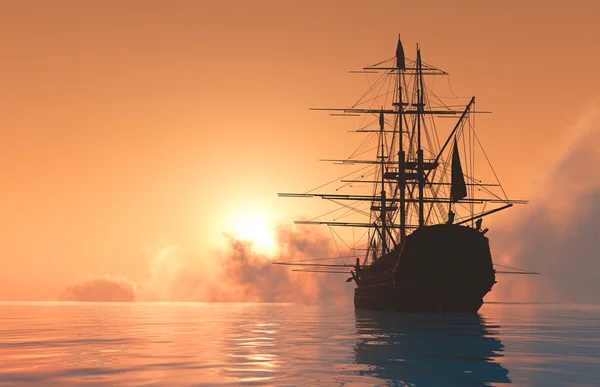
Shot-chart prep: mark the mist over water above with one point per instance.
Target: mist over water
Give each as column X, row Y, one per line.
column 240, row 273
column 557, row 233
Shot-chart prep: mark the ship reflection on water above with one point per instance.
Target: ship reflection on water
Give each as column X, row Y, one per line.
column 429, row 349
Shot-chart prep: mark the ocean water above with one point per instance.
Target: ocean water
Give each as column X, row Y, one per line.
column 203, row 344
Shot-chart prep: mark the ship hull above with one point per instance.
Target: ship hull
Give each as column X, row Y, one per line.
column 416, row 302
column 441, row 268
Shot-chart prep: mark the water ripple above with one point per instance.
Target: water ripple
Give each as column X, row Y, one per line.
column 291, row 345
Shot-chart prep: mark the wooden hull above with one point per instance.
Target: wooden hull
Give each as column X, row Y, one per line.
column 416, row 301
column 442, row 268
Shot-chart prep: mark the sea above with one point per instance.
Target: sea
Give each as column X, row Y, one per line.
column 264, row 344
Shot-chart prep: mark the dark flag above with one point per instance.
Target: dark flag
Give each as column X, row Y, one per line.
column 400, row 61
column 381, row 121
column 459, row 188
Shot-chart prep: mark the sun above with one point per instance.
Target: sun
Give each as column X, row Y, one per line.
column 254, row 228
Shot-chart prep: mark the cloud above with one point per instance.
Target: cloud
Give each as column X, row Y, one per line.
column 238, row 273
column 104, row 289
column 557, row 234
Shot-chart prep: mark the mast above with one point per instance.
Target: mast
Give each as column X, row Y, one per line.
column 383, row 198
column 401, row 65
column 420, row 176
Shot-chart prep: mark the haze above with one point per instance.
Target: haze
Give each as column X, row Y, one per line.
column 135, row 129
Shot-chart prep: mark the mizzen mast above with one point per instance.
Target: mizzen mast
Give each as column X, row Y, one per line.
column 382, row 209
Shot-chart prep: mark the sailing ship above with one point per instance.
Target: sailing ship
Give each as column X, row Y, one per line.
column 423, row 248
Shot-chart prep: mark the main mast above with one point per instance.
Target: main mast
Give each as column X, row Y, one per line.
column 401, row 66
column 420, row 175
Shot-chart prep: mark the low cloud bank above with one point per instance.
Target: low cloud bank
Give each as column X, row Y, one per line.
column 103, row 289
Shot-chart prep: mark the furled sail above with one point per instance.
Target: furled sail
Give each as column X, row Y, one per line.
column 459, row 188
column 400, row 61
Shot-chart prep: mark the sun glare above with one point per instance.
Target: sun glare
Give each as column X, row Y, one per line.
column 255, row 229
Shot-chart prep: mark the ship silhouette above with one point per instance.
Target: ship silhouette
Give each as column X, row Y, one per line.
column 419, row 198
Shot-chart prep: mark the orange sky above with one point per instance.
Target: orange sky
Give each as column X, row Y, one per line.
column 131, row 125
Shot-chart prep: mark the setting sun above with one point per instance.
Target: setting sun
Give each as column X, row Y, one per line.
column 253, row 228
